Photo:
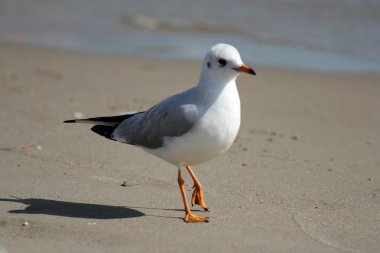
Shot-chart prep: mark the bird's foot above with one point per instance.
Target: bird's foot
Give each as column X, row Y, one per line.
column 195, row 218
column 197, row 197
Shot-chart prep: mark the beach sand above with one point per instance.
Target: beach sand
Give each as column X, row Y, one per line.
column 302, row 176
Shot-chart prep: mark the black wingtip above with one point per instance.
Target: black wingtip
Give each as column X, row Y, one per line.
column 105, row 131
column 69, row 121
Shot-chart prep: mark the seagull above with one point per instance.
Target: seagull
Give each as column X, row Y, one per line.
column 189, row 128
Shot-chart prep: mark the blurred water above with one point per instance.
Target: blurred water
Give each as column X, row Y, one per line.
column 334, row 35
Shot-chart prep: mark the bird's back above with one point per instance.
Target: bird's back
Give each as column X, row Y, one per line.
column 171, row 117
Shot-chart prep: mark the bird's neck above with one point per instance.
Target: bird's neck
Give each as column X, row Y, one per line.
column 211, row 88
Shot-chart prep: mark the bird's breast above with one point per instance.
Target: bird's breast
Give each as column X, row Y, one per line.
column 212, row 134
column 220, row 123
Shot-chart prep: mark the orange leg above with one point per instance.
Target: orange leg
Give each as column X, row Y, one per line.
column 197, row 197
column 189, row 216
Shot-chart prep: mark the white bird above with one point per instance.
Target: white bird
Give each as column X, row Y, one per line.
column 188, row 128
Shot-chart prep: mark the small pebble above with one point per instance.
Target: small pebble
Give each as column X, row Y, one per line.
column 25, row 224
column 294, row 137
column 39, row 147
column 6, row 149
column 125, row 184
column 243, row 164
column 27, row 146
column 78, row 115
column 369, row 179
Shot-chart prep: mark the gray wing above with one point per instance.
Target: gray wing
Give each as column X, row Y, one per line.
column 171, row 117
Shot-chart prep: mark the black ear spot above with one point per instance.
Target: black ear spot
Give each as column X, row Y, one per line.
column 222, row 62
column 208, row 65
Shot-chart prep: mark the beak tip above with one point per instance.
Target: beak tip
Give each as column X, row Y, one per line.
column 246, row 69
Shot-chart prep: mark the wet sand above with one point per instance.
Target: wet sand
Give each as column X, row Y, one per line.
column 302, row 176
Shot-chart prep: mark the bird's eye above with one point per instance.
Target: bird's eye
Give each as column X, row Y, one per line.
column 222, row 62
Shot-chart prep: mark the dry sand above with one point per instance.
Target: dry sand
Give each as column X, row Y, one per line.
column 303, row 175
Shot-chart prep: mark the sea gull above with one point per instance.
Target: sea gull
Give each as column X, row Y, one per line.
column 188, row 128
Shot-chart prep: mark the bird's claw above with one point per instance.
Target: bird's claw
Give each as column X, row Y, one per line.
column 197, row 197
column 195, row 218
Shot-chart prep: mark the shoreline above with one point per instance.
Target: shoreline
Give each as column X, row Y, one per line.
column 283, row 56
column 120, row 56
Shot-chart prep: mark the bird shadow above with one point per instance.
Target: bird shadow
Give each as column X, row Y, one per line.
column 72, row 209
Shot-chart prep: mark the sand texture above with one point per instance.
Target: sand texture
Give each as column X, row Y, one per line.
column 302, row 176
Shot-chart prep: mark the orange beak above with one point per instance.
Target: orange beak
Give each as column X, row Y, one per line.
column 246, row 69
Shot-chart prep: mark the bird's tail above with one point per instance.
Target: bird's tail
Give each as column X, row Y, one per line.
column 104, row 126
column 104, row 121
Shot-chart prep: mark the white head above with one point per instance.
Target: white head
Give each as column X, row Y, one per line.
column 223, row 62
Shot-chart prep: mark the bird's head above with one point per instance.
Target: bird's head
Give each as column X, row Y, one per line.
column 223, row 61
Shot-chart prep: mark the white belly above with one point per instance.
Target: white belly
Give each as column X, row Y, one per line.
column 212, row 134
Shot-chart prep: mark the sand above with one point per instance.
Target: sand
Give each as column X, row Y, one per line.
column 302, row 176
